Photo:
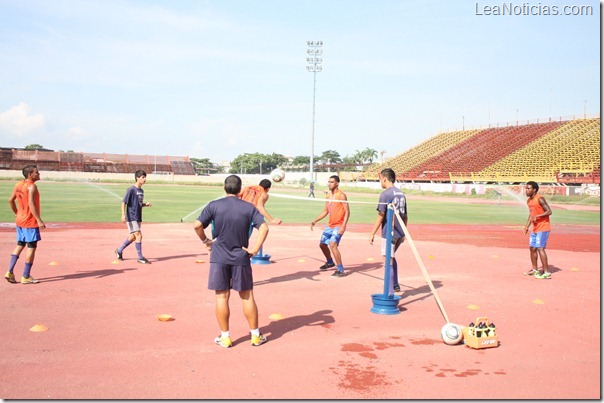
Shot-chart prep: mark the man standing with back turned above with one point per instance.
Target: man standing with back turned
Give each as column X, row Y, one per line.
column 230, row 266
column 25, row 203
column 539, row 213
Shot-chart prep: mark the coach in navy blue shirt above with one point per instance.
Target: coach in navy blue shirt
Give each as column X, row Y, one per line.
column 230, row 266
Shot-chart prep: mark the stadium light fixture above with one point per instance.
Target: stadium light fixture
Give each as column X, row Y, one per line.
column 314, row 60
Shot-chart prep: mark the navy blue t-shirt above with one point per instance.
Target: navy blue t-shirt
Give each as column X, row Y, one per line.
column 395, row 196
column 232, row 218
column 134, row 202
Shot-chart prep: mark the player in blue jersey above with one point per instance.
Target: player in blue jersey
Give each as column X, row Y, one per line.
column 132, row 214
column 391, row 195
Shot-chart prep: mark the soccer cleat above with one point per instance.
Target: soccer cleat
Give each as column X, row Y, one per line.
column 397, row 288
column 258, row 340
column 338, row 273
column 10, row 277
column 119, row 255
column 28, row 280
column 143, row 261
column 223, row 341
column 327, row 266
column 531, row 272
column 545, row 276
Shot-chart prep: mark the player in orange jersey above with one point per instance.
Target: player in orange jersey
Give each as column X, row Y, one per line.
column 258, row 196
column 539, row 212
column 25, row 203
column 337, row 208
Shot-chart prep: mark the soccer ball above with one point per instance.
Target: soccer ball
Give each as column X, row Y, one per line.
column 451, row 334
column 277, row 175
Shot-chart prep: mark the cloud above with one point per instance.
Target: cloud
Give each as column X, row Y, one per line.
column 19, row 122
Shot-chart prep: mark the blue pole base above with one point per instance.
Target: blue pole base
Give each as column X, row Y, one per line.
column 259, row 258
column 385, row 305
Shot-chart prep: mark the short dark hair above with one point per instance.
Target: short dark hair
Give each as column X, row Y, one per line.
column 389, row 174
column 533, row 184
column 265, row 184
column 232, row 185
column 336, row 177
column 27, row 169
column 139, row 173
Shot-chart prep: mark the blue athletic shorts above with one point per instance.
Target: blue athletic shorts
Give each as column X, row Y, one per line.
column 228, row 276
column 331, row 235
column 538, row 239
column 27, row 235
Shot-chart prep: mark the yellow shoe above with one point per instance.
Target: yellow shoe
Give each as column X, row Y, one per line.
column 28, row 280
column 10, row 277
column 223, row 341
column 258, row 340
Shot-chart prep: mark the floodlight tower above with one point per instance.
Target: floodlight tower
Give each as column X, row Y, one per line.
column 314, row 59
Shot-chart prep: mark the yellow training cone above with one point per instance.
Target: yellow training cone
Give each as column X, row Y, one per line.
column 370, row 259
column 473, row 307
column 115, row 262
column 38, row 328
column 431, row 257
column 276, row 316
column 495, row 256
column 574, row 269
column 200, row 261
column 165, row 317
column 538, row 302
column 301, row 261
column 53, row 263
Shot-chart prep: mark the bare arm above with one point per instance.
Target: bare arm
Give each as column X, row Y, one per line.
column 346, row 214
column 32, row 192
column 376, row 225
column 124, row 206
column 547, row 211
column 12, row 202
column 199, row 230
column 320, row 217
column 262, row 234
column 260, row 206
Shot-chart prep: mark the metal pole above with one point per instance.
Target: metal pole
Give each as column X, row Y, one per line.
column 314, row 60
column 388, row 288
column 312, row 138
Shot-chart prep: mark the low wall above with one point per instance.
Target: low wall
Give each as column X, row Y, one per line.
column 293, row 179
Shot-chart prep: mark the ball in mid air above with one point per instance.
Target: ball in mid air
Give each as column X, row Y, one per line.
column 277, row 175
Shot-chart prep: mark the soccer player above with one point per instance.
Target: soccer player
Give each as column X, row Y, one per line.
column 25, row 203
column 230, row 266
column 258, row 196
column 539, row 212
column 337, row 208
column 132, row 214
column 391, row 195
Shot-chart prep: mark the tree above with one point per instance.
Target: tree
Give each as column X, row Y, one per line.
column 256, row 163
column 370, row 154
column 204, row 165
column 329, row 157
column 34, row 147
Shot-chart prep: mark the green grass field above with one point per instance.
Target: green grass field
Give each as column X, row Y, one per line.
column 100, row 202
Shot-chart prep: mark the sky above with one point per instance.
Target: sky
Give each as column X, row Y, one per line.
column 219, row 78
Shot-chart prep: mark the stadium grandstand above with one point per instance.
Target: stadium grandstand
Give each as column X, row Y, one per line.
column 48, row 160
column 564, row 152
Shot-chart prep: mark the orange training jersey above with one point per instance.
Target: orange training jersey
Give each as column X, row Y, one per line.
column 251, row 194
column 336, row 210
column 542, row 224
column 25, row 219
